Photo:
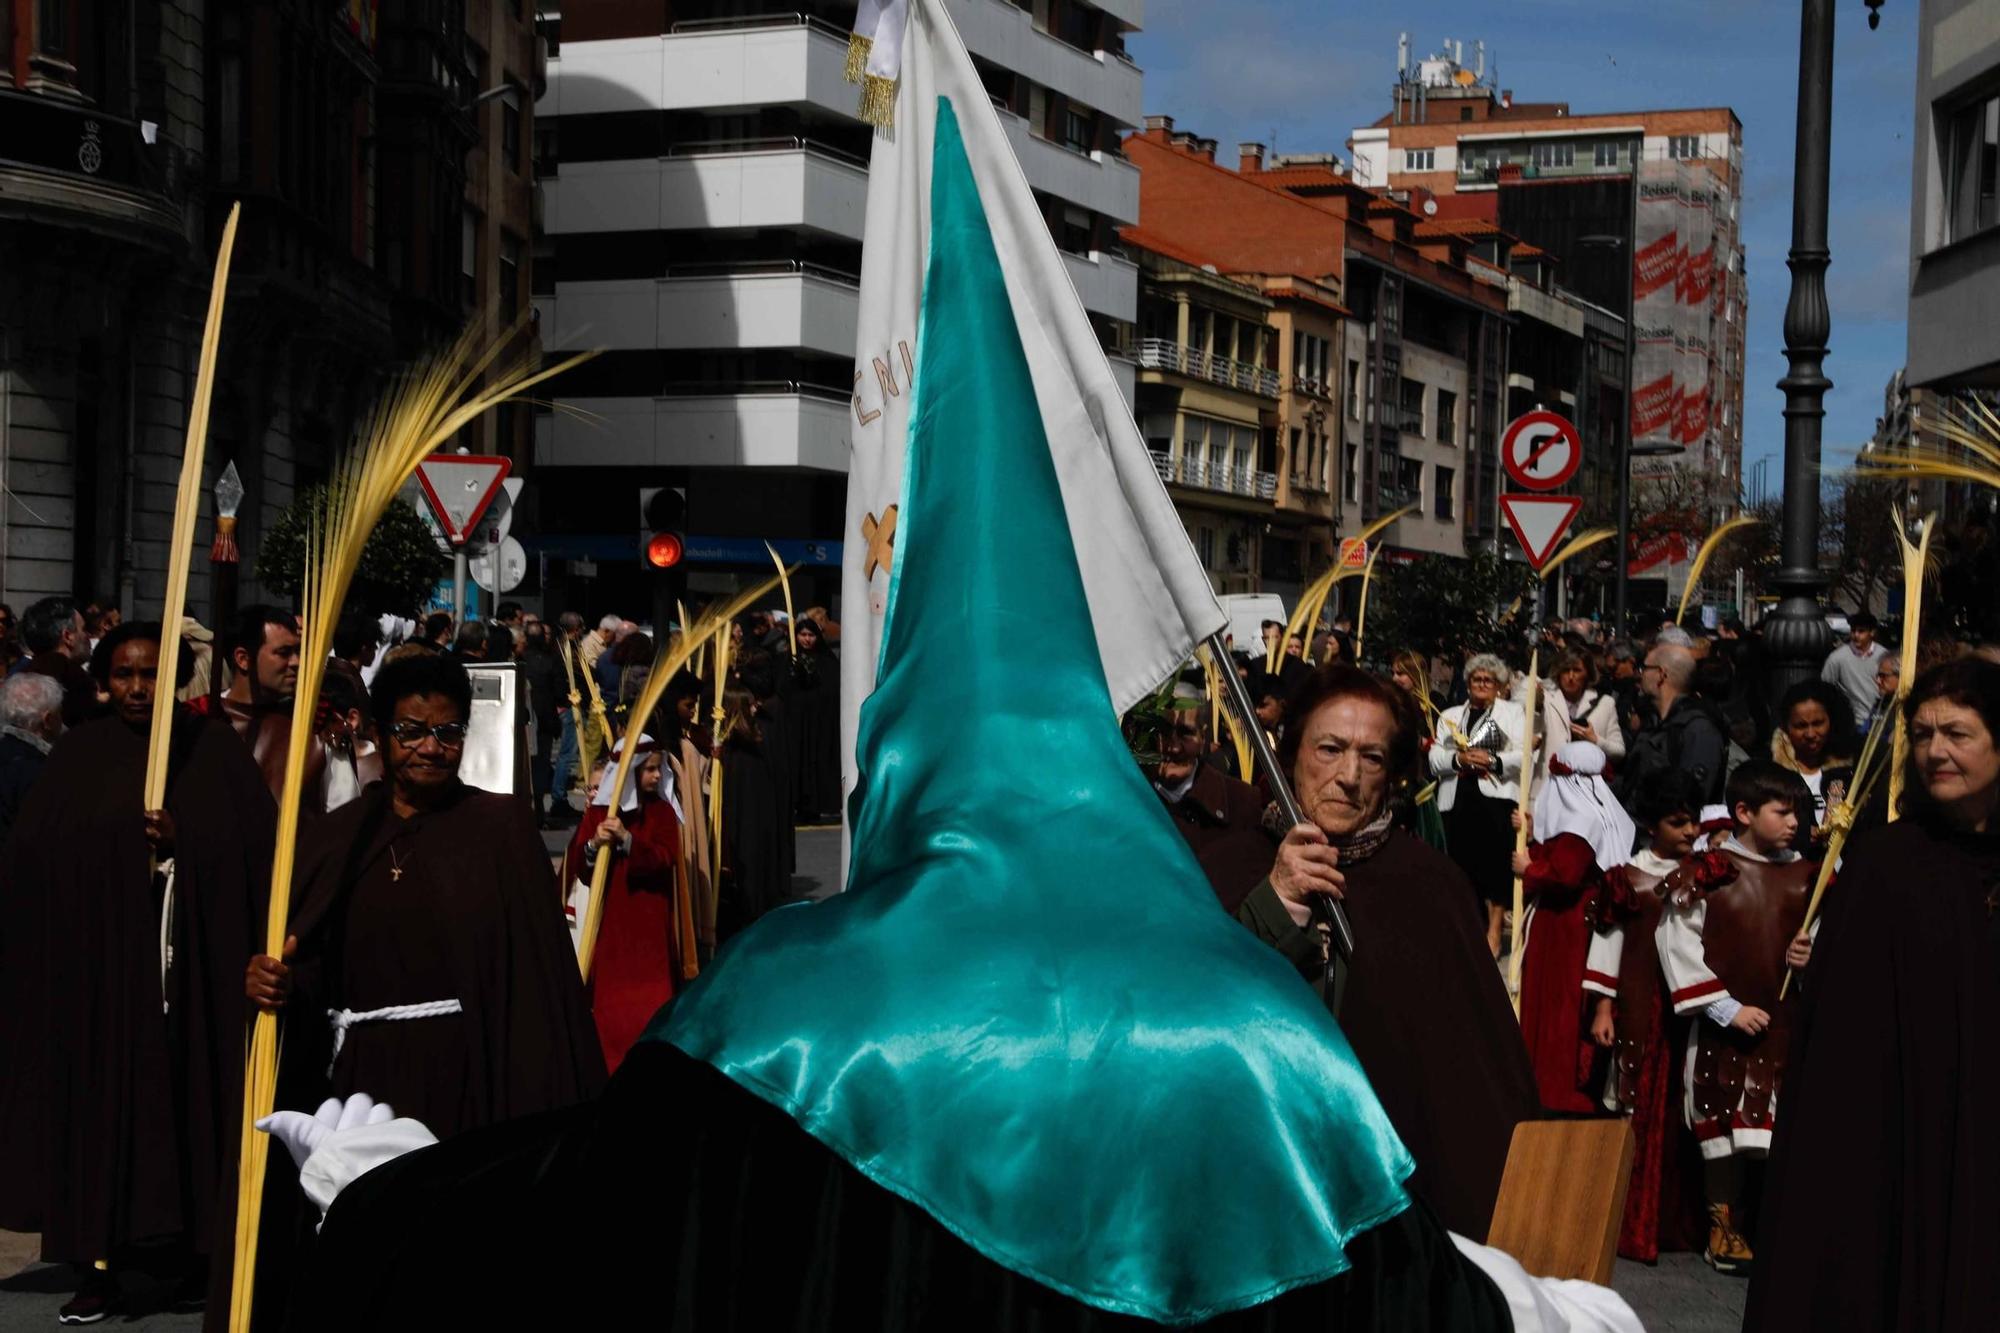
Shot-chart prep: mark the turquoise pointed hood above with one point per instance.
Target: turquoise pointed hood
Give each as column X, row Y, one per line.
column 1027, row 1013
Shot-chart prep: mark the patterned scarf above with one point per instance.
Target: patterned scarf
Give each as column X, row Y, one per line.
column 1356, row 847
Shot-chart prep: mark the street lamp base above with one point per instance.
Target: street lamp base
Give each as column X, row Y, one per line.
column 1796, row 638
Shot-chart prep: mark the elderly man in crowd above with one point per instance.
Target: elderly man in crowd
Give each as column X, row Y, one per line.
column 1685, row 734
column 30, row 721
column 1221, row 818
column 53, row 631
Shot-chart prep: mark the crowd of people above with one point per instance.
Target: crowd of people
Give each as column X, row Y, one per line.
column 131, row 940
column 1671, row 839
column 1673, row 834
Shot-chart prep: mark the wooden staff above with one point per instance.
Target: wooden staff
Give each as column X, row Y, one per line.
column 1840, row 823
column 1581, row 542
column 719, row 721
column 1361, row 616
column 1313, row 600
column 665, row 666
column 1915, row 558
column 1521, row 834
column 785, row 582
column 1701, row 558
column 187, row 506
column 420, row 414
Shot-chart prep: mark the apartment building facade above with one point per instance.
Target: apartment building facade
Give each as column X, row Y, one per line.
column 1594, row 192
column 704, row 184
column 126, row 133
column 1954, row 339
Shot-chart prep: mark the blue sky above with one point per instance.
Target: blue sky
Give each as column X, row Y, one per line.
column 1310, row 71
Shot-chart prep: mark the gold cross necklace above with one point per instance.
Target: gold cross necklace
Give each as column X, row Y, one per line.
column 395, row 865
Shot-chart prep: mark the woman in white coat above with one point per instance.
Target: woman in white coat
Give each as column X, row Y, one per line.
column 1590, row 716
column 1477, row 760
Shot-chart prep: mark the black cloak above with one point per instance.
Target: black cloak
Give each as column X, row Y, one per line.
column 117, row 1120
column 1882, row 1195
column 678, row 1200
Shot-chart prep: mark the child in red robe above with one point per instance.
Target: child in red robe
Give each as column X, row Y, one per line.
column 1663, row 1208
column 638, row 952
column 1581, row 832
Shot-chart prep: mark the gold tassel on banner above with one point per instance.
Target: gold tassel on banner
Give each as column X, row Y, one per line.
column 858, row 48
column 878, row 101
column 422, row 411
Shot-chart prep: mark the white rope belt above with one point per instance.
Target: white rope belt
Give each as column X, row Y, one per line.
column 343, row 1019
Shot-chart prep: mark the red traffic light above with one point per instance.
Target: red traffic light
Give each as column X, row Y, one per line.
column 664, row 551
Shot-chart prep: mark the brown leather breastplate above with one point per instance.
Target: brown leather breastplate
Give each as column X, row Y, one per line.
column 1639, row 984
column 1749, row 923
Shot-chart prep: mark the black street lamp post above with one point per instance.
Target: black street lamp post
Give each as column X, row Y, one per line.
column 1796, row 635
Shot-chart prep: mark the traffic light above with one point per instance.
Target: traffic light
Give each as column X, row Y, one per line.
column 662, row 526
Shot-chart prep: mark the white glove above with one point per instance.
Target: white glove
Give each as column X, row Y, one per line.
column 303, row 1134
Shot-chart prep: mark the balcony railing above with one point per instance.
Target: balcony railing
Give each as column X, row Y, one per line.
column 1308, row 385
column 753, row 22
column 1166, row 354
column 1215, row 477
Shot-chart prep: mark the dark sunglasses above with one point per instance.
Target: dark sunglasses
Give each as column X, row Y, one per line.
column 410, row 734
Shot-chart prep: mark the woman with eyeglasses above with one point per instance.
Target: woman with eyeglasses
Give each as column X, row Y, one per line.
column 1476, row 757
column 429, row 964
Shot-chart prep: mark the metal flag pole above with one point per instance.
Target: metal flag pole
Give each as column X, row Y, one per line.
column 1328, row 909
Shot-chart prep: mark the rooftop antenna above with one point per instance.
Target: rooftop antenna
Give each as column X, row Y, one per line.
column 1481, row 71
column 1402, row 53
column 1458, row 54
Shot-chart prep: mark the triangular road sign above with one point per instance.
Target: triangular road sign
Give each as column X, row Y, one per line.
column 459, row 487
column 1539, row 521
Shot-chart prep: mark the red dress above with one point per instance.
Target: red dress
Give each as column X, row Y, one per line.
column 638, row 956
column 1562, row 879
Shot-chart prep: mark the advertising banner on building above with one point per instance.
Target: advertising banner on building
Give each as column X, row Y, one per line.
column 1656, row 264
column 1692, row 372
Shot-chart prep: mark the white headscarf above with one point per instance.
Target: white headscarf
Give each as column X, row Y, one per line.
column 1578, row 801
column 629, row 798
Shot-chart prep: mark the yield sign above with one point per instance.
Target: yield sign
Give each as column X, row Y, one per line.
column 459, row 487
column 1539, row 521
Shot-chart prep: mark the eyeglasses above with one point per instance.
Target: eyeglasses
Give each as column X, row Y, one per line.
column 410, row 733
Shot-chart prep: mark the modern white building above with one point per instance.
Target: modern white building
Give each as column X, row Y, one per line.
column 703, row 190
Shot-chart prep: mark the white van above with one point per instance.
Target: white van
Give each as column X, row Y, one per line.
column 1247, row 612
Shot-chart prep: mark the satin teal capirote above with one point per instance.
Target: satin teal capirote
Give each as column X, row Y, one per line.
column 1027, row 1014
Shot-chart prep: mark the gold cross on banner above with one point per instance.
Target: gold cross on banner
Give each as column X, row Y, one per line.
column 881, row 539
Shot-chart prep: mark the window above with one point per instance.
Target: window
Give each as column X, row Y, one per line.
column 548, row 157
column 510, row 131
column 1350, row 477
column 1447, row 417
column 1684, row 147
column 1420, row 159
column 510, row 274
column 1465, row 113
column 1972, row 164
column 1607, row 152
column 1554, row 155
column 1298, row 468
column 1354, row 390
column 468, row 258
column 1411, row 400
column 1074, row 235
column 1442, row 500
column 1079, row 130
column 1410, row 480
